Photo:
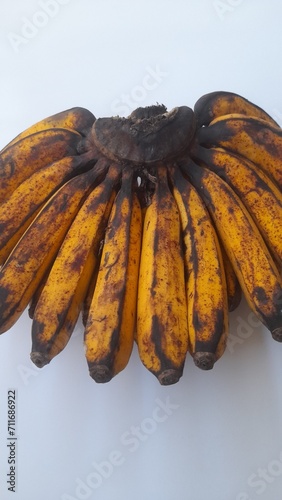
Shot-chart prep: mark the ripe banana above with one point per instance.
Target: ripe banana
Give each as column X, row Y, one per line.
column 27, row 264
column 109, row 331
column 21, row 207
column 22, row 159
column 134, row 223
column 205, row 277
column 61, row 298
column 255, row 269
column 162, row 332
column 250, row 138
column 215, row 104
column 77, row 119
column 256, row 190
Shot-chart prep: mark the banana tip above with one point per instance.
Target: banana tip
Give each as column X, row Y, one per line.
column 39, row 359
column 204, row 360
column 277, row 334
column 100, row 374
column 169, row 377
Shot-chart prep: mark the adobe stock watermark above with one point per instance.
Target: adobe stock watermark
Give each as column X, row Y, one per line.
column 129, row 442
column 244, row 330
column 261, row 478
column 28, row 372
column 126, row 103
column 223, row 7
column 31, row 26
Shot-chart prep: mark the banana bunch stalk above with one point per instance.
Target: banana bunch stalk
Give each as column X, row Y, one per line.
column 150, row 227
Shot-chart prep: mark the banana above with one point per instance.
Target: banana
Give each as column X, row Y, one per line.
column 77, row 119
column 162, row 331
column 22, row 159
column 256, row 190
column 60, row 301
column 205, row 277
column 250, row 138
column 216, row 104
column 21, row 207
column 109, row 331
column 31, row 258
column 255, row 269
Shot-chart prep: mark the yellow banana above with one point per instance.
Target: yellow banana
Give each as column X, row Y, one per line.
column 256, row 190
column 22, row 159
column 216, row 104
column 21, row 207
column 109, row 331
column 77, row 119
column 205, row 277
column 162, row 332
column 28, row 263
column 61, row 298
column 250, row 138
column 255, row 269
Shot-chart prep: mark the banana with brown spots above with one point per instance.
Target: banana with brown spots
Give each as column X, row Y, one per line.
column 256, row 271
column 32, row 257
column 162, row 331
column 220, row 103
column 111, row 315
column 251, row 138
column 206, row 289
column 61, row 298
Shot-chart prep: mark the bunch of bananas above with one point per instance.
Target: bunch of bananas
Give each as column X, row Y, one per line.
column 149, row 226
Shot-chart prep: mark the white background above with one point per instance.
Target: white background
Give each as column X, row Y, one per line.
column 221, row 436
